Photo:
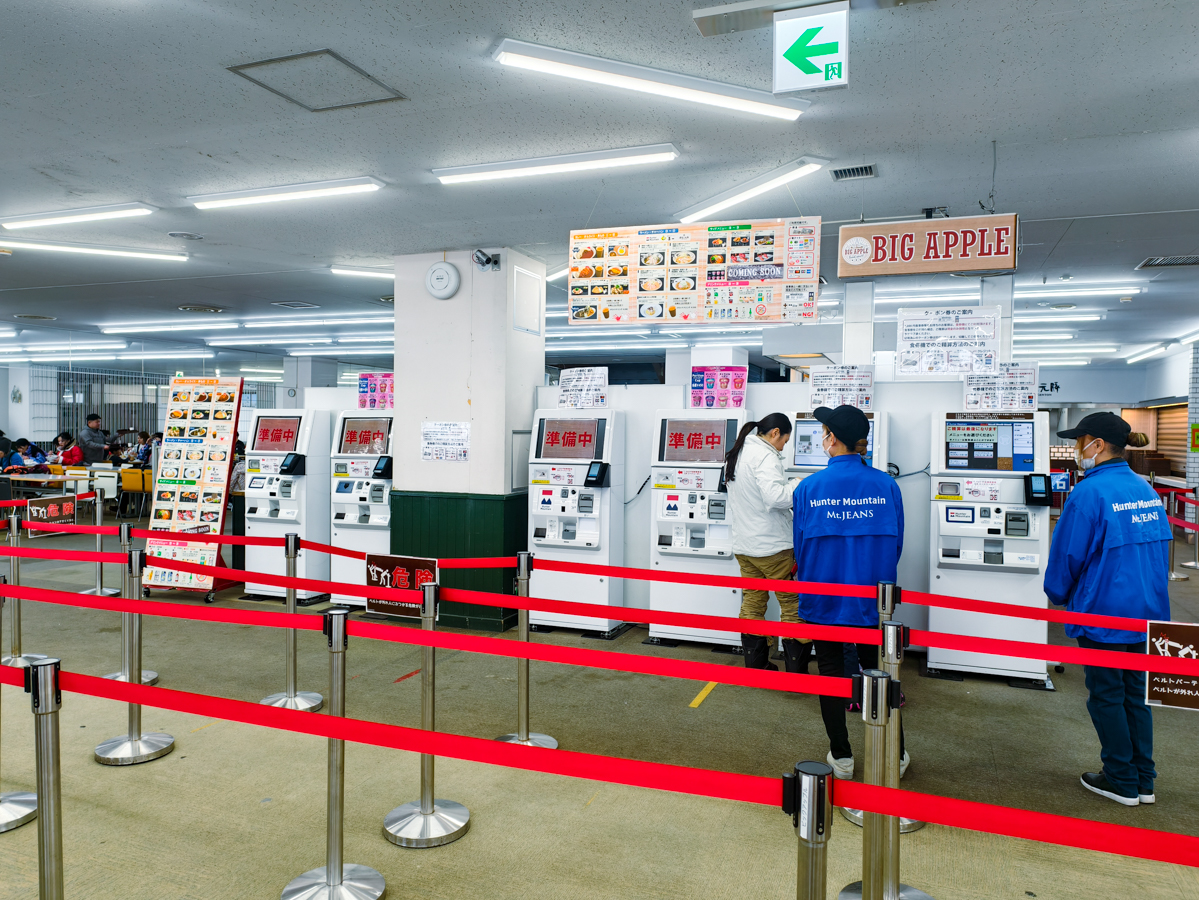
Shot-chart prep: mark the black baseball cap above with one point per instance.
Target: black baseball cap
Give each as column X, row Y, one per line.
column 847, row 423
column 1106, row 426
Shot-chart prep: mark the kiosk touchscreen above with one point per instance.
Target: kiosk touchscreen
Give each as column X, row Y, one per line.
column 286, row 468
column 576, row 511
column 690, row 529
column 989, row 532
column 360, row 494
column 804, row 455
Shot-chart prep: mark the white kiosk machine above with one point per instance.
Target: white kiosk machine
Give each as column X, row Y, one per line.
column 361, row 494
column 689, row 529
column 804, row 454
column 989, row 533
column 576, row 511
column 286, row 491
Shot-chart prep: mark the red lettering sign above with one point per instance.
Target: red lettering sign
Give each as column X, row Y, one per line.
column 264, row 434
column 570, row 438
column 399, row 577
column 969, row 239
column 277, row 434
column 930, row 246
column 695, row 441
column 423, row 576
column 951, row 240
column 553, row 438
column 585, row 439
column 713, row 440
column 906, row 248
column 351, row 437
column 1001, row 235
column 893, row 238
column 880, row 248
column 984, row 249
column 676, row 440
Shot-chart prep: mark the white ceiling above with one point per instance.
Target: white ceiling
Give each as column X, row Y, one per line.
column 1093, row 106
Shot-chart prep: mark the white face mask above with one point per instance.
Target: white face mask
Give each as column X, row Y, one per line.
column 824, row 444
column 1083, row 462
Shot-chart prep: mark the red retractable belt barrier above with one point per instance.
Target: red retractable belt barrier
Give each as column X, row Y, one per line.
column 481, row 562
column 1182, row 523
column 63, row 555
column 72, row 529
column 1120, row 623
column 331, row 550
column 235, row 539
column 10, row 504
column 1183, row 498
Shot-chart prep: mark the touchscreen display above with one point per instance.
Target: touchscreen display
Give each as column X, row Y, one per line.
column 806, row 438
column 569, row 439
column 990, row 445
column 276, row 434
column 364, row 437
column 696, row 440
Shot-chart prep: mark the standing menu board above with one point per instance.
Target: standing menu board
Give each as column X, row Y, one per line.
column 764, row 270
column 192, row 487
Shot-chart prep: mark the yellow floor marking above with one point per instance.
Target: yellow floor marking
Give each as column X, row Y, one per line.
column 703, row 695
column 592, row 800
column 202, row 727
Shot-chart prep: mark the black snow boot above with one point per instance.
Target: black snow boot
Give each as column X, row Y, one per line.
column 755, row 649
column 797, row 655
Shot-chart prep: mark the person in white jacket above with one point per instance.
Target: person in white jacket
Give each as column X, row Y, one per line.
column 760, row 510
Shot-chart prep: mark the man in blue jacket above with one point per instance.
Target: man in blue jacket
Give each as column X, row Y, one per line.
column 1110, row 556
column 848, row 530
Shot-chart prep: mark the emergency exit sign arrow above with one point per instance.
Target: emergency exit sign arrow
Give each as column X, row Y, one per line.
column 800, row 53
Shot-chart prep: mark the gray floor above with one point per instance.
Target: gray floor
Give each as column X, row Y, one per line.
column 237, row 811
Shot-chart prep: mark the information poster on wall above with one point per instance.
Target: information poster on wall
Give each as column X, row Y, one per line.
column 1176, row 640
column 445, row 441
column 376, row 390
column 402, row 573
column 718, row 387
column 583, row 387
column 835, row 386
column 192, row 487
column 706, row 272
column 1012, row 386
column 935, row 343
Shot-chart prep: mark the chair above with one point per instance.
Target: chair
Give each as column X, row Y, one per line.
column 105, row 481
column 134, row 486
column 56, row 469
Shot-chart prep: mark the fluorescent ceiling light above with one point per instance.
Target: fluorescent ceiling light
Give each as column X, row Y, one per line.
column 345, row 351
column 930, row 298
column 46, row 348
column 1042, row 337
column 629, row 77
column 389, row 274
column 555, row 165
column 92, row 250
column 311, row 189
column 275, row 379
column 639, row 345
column 307, row 323
column 263, row 371
column 1049, row 319
column 67, row 216
column 1076, row 348
column 59, row 358
column 1065, row 362
column 1145, row 354
column 174, row 354
column 589, row 333
column 266, row 341
column 1082, row 292
column 1190, row 338
column 558, row 275
column 828, row 303
column 363, row 340
column 805, row 165
column 131, row 329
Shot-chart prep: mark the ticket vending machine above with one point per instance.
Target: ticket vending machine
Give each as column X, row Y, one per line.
column 287, row 471
column 576, row 512
column 361, row 494
column 990, row 533
column 690, row 530
column 804, row 455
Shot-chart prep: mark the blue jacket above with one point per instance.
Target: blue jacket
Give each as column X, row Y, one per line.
column 848, row 530
column 1110, row 553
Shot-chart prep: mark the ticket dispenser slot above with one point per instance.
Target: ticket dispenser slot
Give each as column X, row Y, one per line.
column 1016, row 524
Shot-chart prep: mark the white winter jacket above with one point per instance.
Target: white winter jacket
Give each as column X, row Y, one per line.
column 760, row 501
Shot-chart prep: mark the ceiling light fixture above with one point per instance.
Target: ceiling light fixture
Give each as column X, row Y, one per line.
column 944, row 298
column 67, row 216
column 260, row 341
column 558, row 275
column 1065, row 362
column 1190, row 338
column 59, row 358
column 1042, row 337
column 644, row 345
column 46, row 348
column 173, row 354
column 1086, row 292
column 364, row 340
column 1074, row 348
column 555, row 165
column 263, row 371
column 362, row 185
column 596, row 70
column 346, row 351
column 1145, row 354
column 131, row 328
column 306, row 323
column 1048, row 318
column 389, row 274
column 92, row 250
column 805, row 165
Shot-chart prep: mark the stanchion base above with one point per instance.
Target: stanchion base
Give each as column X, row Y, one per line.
column 1174, row 576
column 16, row 809
column 906, row 892
column 103, row 592
column 24, row 661
column 357, row 883
column 309, row 700
column 906, row 826
column 120, row 751
column 1188, row 565
column 149, row 676
column 535, row 740
column 407, row 826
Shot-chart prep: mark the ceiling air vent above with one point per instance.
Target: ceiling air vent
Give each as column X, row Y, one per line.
column 201, row 309
column 294, row 304
column 30, row 317
column 852, row 173
column 318, row 81
column 1160, row 262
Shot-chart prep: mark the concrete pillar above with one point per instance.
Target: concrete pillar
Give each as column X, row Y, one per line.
column 857, row 336
column 718, row 355
column 997, row 291
column 300, row 372
column 678, row 367
column 18, row 403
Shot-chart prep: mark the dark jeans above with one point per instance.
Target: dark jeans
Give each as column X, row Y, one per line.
column 830, row 660
column 1122, row 720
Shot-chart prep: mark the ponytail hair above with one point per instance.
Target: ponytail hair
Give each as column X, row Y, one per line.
column 781, row 421
column 1137, row 439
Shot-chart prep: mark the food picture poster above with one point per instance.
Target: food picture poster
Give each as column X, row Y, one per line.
column 376, row 390
column 718, row 387
column 759, row 271
column 191, row 490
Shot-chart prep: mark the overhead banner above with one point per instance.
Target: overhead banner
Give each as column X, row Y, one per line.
column 928, row 246
column 933, row 343
column 764, row 270
column 1012, row 386
column 835, row 386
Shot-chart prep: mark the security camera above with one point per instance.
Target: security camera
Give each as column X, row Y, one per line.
column 485, row 261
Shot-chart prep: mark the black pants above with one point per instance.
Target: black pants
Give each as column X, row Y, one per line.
column 830, row 660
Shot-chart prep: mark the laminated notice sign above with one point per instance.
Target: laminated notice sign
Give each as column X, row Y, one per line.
column 941, row 343
column 764, row 270
column 835, row 386
column 403, row 573
column 191, row 491
column 1177, row 640
column 583, row 387
column 445, row 441
column 1012, row 386
column 376, row 390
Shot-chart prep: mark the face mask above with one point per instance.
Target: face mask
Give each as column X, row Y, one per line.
column 1083, row 462
column 824, row 444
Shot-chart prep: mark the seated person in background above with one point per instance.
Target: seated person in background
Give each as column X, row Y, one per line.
column 5, row 446
column 67, row 453
column 28, row 452
column 156, row 439
column 142, row 450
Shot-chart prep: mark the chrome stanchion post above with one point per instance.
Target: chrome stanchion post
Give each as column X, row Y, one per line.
column 1172, row 511
column 524, row 568
column 16, row 807
column 1195, row 564
column 290, row 698
column 41, row 681
column 808, row 799
column 134, row 747
column 15, row 656
column 873, row 687
column 131, row 625
column 429, row 821
column 100, row 590
column 336, row 880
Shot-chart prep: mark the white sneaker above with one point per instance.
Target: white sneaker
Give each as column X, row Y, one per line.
column 1147, row 798
column 842, row 768
column 903, row 763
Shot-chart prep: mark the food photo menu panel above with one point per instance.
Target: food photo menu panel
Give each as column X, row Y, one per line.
column 192, row 487
column 706, row 272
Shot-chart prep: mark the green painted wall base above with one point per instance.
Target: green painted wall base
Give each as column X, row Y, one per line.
column 424, row 523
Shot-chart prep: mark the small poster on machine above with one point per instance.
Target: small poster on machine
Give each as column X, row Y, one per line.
column 376, row 390
column 583, row 387
column 718, row 387
column 835, row 386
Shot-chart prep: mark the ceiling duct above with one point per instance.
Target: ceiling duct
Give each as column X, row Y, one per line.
column 1163, row 262
column 852, row 173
